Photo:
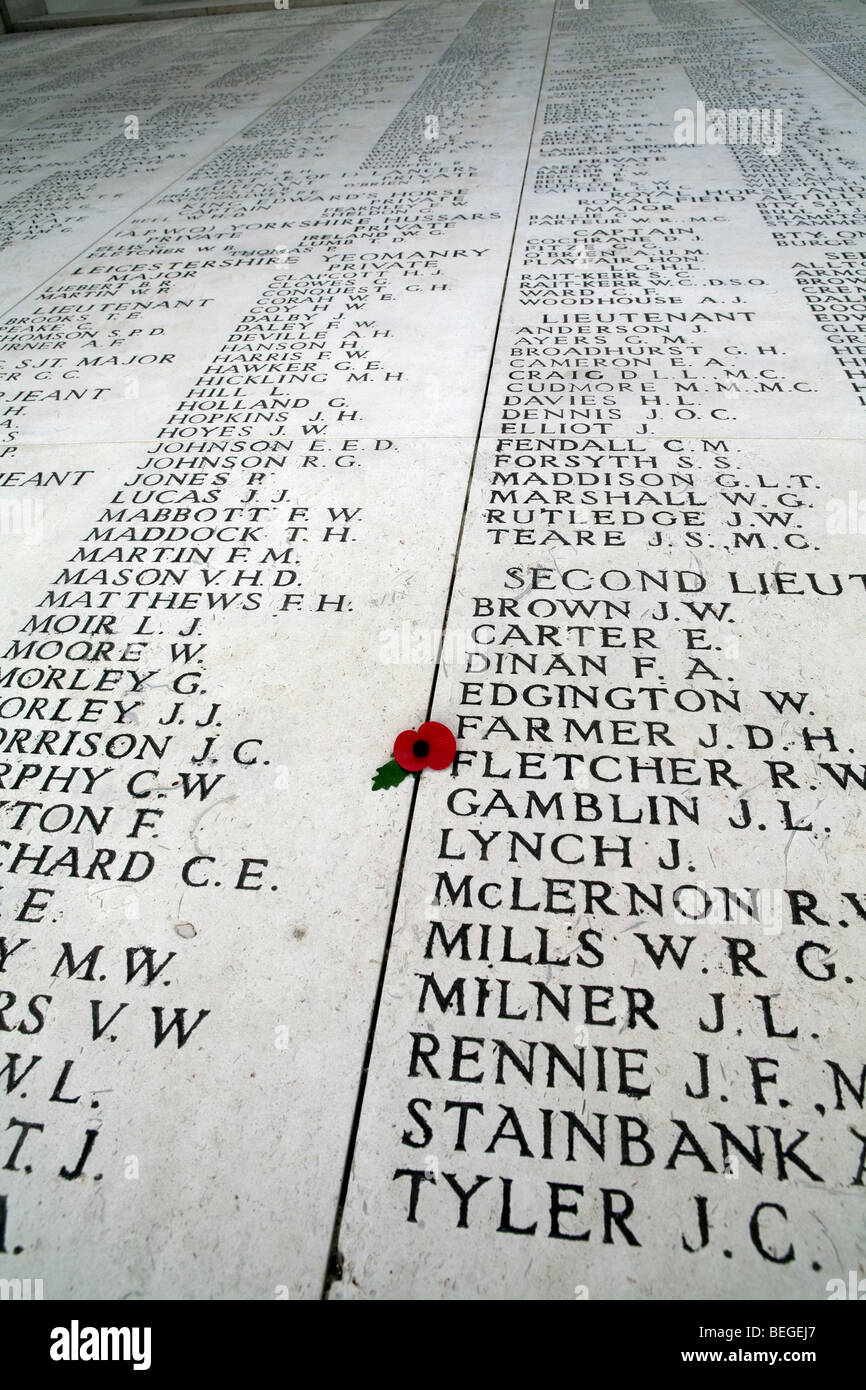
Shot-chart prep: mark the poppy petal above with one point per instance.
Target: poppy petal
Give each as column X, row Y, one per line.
column 404, row 754
column 443, row 744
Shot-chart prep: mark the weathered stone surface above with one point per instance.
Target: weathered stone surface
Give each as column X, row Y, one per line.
column 391, row 361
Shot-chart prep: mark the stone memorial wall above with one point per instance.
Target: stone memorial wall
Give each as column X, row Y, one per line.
column 498, row 363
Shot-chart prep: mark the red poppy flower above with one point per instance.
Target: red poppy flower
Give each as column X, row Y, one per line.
column 430, row 745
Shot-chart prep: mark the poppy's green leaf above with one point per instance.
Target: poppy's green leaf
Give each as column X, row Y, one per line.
column 390, row 774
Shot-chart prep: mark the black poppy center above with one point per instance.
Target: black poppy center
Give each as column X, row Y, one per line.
column 420, row 748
